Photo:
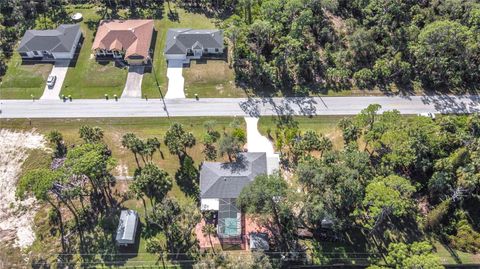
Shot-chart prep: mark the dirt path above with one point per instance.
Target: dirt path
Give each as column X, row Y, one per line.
column 16, row 218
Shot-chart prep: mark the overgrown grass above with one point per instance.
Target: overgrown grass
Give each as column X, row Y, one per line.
column 115, row 128
column 326, row 125
column 24, row 79
column 88, row 78
column 113, row 132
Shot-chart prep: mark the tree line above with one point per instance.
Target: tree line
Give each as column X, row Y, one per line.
column 301, row 47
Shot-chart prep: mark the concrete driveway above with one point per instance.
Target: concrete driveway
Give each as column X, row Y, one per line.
column 256, row 142
column 133, row 85
column 175, row 80
column 59, row 69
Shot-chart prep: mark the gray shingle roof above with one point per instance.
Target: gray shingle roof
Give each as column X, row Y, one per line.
column 179, row 40
column 59, row 40
column 226, row 180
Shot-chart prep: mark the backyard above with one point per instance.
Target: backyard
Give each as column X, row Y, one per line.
column 87, row 78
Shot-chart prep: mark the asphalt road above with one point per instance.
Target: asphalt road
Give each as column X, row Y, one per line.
column 233, row 106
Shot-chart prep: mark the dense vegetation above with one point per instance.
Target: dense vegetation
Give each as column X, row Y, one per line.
column 299, row 46
column 397, row 180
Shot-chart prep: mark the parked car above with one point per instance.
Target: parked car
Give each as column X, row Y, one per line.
column 51, row 81
column 428, row 115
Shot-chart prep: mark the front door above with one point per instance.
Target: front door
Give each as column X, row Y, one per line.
column 197, row 52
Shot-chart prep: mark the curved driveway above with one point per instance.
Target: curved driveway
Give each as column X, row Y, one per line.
column 233, row 106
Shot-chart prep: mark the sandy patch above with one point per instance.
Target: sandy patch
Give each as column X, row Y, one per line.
column 16, row 218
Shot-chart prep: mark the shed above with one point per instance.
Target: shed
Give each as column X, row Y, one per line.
column 127, row 228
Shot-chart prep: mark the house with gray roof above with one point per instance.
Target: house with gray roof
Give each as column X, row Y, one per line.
column 186, row 44
column 51, row 45
column 221, row 184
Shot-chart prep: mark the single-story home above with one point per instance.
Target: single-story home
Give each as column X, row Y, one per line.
column 51, row 45
column 186, row 44
column 129, row 40
column 127, row 228
column 220, row 186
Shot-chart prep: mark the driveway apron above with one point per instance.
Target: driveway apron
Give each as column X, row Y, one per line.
column 256, row 142
column 59, row 69
column 175, row 80
column 133, row 85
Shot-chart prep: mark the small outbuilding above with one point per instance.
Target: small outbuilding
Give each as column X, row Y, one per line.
column 127, row 228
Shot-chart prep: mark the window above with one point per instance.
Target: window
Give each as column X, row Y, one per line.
column 35, row 53
column 23, row 54
column 216, row 49
column 205, row 50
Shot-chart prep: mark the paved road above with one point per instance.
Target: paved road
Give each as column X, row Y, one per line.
column 233, row 106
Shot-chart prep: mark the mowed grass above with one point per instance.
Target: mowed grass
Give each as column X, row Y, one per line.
column 213, row 79
column 24, row 79
column 326, row 125
column 88, row 78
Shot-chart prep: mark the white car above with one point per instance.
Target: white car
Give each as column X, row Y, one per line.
column 51, row 81
column 427, row 114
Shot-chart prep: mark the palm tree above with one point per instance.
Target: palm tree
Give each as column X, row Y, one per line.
column 209, row 230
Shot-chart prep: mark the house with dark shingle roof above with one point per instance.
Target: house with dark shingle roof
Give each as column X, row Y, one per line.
column 59, row 43
column 221, row 184
column 186, row 44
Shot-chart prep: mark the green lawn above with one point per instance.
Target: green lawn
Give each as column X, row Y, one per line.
column 23, row 80
column 211, row 78
column 88, row 78
column 205, row 86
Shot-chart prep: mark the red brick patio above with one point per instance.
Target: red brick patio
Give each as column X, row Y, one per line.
column 248, row 226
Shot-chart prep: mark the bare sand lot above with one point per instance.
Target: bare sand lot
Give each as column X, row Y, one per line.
column 16, row 218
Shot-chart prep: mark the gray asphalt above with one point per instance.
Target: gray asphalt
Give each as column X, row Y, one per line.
column 97, row 108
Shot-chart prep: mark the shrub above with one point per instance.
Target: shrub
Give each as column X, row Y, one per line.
column 466, row 239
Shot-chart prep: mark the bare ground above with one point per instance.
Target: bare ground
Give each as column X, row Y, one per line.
column 16, row 218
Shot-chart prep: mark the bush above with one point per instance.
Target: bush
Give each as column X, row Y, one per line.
column 435, row 217
column 364, row 78
column 466, row 239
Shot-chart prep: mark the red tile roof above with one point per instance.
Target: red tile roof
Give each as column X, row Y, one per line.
column 132, row 36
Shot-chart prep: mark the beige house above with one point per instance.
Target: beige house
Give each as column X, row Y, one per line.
column 129, row 40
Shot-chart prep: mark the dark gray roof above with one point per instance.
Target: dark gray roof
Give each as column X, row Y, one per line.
column 259, row 241
column 179, row 40
column 226, row 180
column 59, row 40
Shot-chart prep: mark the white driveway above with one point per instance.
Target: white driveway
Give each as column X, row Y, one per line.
column 256, row 142
column 175, row 80
column 59, row 69
column 133, row 85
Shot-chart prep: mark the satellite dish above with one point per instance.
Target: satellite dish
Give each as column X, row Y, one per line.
column 77, row 16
